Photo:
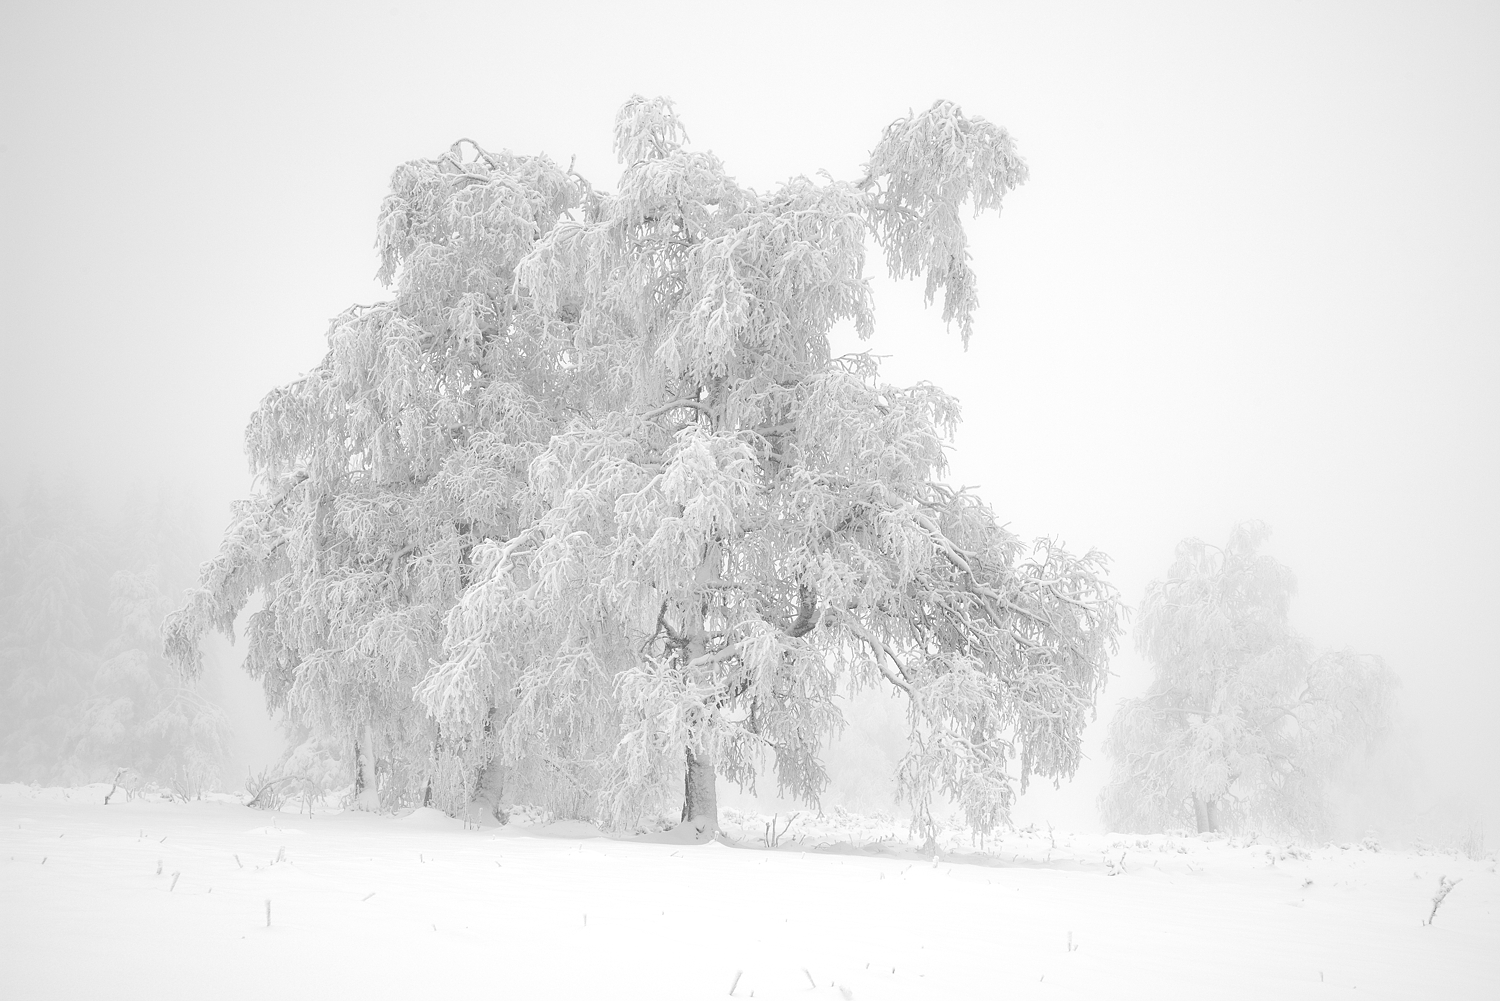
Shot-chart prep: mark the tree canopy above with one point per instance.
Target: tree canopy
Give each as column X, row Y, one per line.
column 1244, row 725
column 589, row 513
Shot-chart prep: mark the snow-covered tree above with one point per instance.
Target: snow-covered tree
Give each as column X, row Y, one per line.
column 139, row 712
column 86, row 690
column 380, row 469
column 49, row 621
column 1244, row 724
column 590, row 514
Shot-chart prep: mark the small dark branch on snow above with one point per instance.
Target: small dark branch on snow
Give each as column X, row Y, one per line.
column 1445, row 887
column 113, row 785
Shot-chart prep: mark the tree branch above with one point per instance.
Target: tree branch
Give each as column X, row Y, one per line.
column 666, row 408
column 898, row 676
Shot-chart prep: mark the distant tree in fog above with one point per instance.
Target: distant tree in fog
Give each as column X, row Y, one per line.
column 84, row 688
column 50, row 612
column 139, row 712
column 1244, row 726
column 589, row 514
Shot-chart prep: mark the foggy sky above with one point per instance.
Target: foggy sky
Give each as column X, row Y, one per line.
column 1253, row 275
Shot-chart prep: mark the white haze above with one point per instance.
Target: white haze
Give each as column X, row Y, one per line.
column 1253, row 275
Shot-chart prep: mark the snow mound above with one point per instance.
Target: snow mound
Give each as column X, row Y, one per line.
column 566, row 829
column 19, row 790
column 689, row 832
column 426, row 816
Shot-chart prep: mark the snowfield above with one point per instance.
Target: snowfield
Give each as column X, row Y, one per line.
column 149, row 898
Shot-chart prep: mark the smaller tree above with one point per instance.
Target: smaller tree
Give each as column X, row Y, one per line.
column 1243, row 723
column 84, row 688
column 140, row 712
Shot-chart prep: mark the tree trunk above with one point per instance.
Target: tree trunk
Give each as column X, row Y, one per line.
column 366, row 796
column 700, row 801
column 1215, row 821
column 484, row 808
column 1200, row 814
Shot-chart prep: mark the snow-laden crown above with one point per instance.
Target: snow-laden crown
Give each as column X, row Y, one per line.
column 590, row 493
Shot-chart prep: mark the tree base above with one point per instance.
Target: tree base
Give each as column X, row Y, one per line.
column 700, row 801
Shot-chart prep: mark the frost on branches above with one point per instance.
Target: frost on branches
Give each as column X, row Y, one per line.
column 589, row 514
column 1244, row 725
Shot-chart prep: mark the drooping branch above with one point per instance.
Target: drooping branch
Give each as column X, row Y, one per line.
column 886, row 659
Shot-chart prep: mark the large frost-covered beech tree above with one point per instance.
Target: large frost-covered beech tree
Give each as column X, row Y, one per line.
column 1244, row 724
column 589, row 514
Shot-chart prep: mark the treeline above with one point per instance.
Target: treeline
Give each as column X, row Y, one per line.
column 84, row 689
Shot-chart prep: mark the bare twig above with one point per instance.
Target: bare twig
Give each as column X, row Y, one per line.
column 773, row 836
column 265, row 792
column 1445, row 887
column 113, row 785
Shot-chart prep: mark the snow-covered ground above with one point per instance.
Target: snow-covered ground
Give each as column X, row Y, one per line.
column 154, row 899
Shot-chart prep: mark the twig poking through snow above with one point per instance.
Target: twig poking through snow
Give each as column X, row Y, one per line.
column 175, row 877
column 810, row 979
column 773, row 837
column 735, row 982
column 238, row 862
column 113, row 785
column 1445, row 887
column 268, row 912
